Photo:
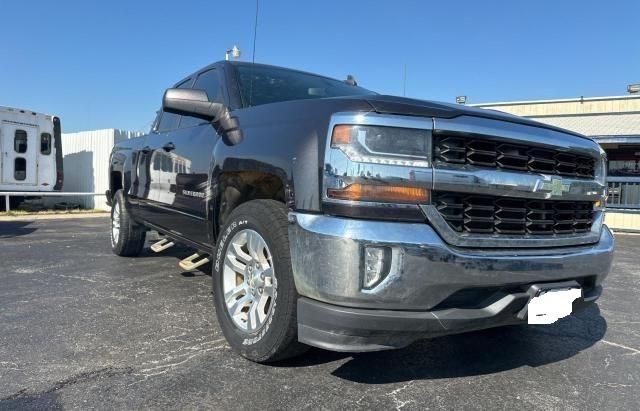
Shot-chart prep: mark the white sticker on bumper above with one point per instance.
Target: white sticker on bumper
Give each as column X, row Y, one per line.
column 551, row 305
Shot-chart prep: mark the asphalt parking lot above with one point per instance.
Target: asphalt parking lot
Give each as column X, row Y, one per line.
column 82, row 328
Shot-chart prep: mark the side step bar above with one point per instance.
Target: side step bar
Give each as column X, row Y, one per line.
column 191, row 263
column 162, row 245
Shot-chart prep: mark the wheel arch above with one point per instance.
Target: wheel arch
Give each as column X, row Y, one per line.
column 117, row 172
column 238, row 187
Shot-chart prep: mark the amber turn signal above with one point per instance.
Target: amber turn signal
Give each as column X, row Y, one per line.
column 341, row 135
column 381, row 193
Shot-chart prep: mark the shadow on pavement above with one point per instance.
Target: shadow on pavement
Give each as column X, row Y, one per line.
column 471, row 354
column 10, row 229
column 44, row 401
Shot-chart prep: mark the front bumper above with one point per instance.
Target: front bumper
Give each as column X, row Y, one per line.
column 432, row 288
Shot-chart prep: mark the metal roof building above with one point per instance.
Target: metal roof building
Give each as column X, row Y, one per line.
column 597, row 117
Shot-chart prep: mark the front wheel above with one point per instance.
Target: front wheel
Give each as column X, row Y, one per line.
column 127, row 237
column 254, row 293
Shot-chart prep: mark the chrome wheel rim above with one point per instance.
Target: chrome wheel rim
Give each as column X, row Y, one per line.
column 248, row 281
column 115, row 225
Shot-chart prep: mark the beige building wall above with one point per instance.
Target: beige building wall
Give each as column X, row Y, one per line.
column 86, row 165
column 622, row 221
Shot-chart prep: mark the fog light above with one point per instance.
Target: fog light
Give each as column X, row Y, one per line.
column 377, row 261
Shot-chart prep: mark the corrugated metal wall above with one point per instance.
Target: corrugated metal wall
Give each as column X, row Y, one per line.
column 86, row 164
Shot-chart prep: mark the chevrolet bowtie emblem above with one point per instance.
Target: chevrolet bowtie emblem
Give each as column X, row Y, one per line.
column 556, row 187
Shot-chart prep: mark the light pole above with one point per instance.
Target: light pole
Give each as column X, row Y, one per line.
column 233, row 51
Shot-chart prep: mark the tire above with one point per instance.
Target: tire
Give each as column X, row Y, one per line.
column 128, row 239
column 262, row 294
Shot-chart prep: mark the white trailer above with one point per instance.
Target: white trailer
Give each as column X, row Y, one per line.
column 30, row 152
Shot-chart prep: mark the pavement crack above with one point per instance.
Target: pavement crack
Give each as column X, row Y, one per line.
column 14, row 395
column 633, row 350
column 75, row 379
column 191, row 353
column 399, row 404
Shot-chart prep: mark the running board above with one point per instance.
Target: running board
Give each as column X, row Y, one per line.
column 190, row 263
column 162, row 245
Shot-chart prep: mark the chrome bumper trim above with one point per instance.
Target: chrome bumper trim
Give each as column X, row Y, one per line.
column 326, row 260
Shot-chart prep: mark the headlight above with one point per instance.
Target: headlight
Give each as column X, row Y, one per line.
column 377, row 165
column 382, row 145
column 601, row 177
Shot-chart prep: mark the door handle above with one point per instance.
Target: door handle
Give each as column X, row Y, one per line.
column 145, row 149
column 169, row 146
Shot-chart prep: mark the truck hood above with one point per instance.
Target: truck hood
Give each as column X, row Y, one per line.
column 423, row 108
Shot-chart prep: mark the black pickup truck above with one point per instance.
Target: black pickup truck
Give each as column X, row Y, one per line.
column 339, row 218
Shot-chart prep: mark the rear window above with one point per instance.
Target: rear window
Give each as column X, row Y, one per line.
column 45, row 143
column 263, row 85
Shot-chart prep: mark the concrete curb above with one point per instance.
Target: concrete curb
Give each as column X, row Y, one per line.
column 34, row 217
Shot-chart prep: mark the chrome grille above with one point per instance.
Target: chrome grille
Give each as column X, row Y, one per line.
column 483, row 152
column 466, row 213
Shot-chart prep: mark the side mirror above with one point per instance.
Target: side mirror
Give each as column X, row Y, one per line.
column 192, row 103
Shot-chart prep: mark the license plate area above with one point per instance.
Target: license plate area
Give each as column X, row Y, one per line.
column 548, row 305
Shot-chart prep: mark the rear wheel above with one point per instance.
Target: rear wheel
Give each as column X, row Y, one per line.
column 254, row 292
column 127, row 237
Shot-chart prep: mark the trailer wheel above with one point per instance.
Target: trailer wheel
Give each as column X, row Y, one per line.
column 127, row 237
column 253, row 289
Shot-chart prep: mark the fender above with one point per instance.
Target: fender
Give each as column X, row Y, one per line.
column 283, row 140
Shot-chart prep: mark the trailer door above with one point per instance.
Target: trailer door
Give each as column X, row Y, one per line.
column 19, row 145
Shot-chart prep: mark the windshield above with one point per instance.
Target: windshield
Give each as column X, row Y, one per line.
column 263, row 85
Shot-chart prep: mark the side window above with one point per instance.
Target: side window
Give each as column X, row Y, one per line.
column 170, row 121
column 166, row 164
column 156, row 122
column 209, row 82
column 45, row 143
column 156, row 161
column 20, row 141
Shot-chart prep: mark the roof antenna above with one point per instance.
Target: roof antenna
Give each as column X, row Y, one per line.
column 255, row 32
column 253, row 56
column 351, row 80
